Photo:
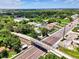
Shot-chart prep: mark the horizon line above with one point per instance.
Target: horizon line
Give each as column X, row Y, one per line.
column 39, row 8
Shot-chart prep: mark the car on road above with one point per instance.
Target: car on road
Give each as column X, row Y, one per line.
column 24, row 46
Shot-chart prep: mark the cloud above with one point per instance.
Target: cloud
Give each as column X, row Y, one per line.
column 72, row 1
column 10, row 3
column 67, row 1
column 35, row 3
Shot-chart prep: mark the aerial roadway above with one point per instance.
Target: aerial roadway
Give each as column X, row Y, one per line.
column 52, row 39
column 34, row 52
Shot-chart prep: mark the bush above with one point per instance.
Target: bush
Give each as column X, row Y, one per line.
column 5, row 53
column 63, row 57
column 0, row 56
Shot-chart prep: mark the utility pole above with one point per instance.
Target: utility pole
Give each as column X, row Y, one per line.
column 64, row 32
column 64, row 35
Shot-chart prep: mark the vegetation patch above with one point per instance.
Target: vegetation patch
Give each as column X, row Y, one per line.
column 51, row 56
column 76, row 28
column 70, row 52
column 11, row 44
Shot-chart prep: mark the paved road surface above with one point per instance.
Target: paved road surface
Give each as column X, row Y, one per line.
column 34, row 53
column 31, row 53
column 51, row 40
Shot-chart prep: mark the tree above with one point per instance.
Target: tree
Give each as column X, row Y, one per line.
column 15, row 43
column 23, row 22
column 51, row 20
column 33, row 34
column 1, row 25
column 44, row 31
column 10, row 40
column 63, row 57
column 4, row 53
column 70, row 18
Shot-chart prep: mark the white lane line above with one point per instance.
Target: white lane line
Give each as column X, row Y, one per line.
column 25, row 52
column 32, row 54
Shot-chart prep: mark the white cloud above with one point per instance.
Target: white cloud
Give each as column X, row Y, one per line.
column 67, row 1
column 72, row 1
column 20, row 3
column 10, row 3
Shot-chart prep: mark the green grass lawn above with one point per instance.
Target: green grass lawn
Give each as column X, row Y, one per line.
column 70, row 52
column 11, row 53
column 53, row 30
column 64, row 22
column 76, row 28
column 49, row 56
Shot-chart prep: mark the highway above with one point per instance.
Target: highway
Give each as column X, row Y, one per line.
column 34, row 52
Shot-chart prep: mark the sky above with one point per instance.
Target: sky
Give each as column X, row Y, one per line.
column 33, row 4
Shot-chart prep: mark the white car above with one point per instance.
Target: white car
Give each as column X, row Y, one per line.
column 24, row 46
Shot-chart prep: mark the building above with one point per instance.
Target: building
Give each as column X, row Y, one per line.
column 74, row 16
column 50, row 26
column 20, row 19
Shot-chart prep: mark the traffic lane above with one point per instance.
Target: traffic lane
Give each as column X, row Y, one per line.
column 32, row 52
column 53, row 39
column 36, row 54
column 26, row 53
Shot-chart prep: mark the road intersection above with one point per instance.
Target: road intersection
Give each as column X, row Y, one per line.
column 35, row 52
